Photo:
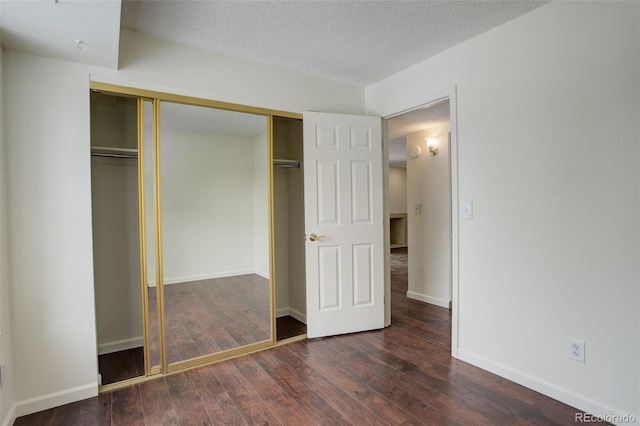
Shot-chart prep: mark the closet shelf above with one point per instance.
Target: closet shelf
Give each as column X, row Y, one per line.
column 287, row 164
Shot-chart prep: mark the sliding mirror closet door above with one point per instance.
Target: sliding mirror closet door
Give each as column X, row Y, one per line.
column 215, row 233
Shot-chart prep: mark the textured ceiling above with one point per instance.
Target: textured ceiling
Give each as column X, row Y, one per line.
column 357, row 42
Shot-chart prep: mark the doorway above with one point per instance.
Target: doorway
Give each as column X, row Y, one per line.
column 419, row 197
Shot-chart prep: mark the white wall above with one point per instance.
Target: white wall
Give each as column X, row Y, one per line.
column 547, row 110
column 7, row 391
column 49, row 208
column 49, row 194
column 397, row 189
column 429, row 261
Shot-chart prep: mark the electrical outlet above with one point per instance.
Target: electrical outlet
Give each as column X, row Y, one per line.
column 576, row 350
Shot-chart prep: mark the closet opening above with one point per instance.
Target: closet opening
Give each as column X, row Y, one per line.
column 116, row 238
column 288, row 222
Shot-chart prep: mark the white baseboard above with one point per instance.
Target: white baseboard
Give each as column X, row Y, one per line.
column 120, row 345
column 55, row 399
column 443, row 303
column 11, row 416
column 551, row 390
column 298, row 315
column 283, row 312
column 186, row 279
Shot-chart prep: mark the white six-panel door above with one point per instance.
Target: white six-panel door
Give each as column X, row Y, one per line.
column 344, row 211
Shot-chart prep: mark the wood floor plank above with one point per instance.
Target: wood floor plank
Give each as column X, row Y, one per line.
column 552, row 412
column 449, row 400
column 393, row 384
column 432, row 390
column 215, row 399
column 156, row 403
column 477, row 397
column 278, row 401
column 95, row 411
column 430, row 365
column 186, row 401
column 390, row 413
column 126, row 409
column 331, row 350
column 350, row 408
column 249, row 403
column 315, row 406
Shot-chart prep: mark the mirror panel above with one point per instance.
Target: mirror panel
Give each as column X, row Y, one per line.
column 214, row 179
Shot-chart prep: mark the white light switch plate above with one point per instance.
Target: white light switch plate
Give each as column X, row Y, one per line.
column 466, row 210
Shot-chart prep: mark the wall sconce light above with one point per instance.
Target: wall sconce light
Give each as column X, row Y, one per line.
column 432, row 144
column 415, row 151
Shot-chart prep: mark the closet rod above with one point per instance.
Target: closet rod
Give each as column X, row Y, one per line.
column 287, row 164
column 104, row 151
column 109, row 155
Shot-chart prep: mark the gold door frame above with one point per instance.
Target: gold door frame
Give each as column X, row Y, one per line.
column 143, row 95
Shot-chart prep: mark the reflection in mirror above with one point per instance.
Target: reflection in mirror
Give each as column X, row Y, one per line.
column 116, row 243
column 215, row 230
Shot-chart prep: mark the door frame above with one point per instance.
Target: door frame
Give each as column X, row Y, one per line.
column 394, row 111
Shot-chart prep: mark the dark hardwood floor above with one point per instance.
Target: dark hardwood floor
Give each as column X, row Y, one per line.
column 121, row 365
column 401, row 375
column 288, row 326
column 422, row 319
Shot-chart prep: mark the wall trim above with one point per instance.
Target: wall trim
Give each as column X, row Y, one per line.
column 549, row 389
column 283, row 312
column 120, row 345
column 55, row 399
column 298, row 315
column 443, row 303
column 10, row 417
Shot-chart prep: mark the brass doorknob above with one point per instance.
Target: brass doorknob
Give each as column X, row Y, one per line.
column 314, row 237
